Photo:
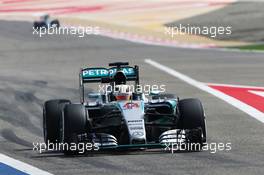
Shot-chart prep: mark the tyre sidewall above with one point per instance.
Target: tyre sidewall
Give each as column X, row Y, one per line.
column 52, row 112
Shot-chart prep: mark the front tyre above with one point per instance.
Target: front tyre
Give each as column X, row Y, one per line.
column 74, row 122
column 192, row 117
column 36, row 25
column 52, row 111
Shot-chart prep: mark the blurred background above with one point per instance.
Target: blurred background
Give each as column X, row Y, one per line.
column 145, row 20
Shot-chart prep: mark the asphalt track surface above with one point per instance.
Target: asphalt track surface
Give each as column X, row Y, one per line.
column 34, row 69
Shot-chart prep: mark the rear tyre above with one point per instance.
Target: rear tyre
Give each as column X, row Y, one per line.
column 36, row 25
column 42, row 26
column 55, row 23
column 52, row 112
column 74, row 122
column 192, row 117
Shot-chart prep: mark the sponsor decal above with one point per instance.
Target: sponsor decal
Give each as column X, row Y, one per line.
column 98, row 72
column 136, row 128
column 126, row 70
column 103, row 72
column 137, row 134
column 134, row 121
column 130, row 105
column 135, row 124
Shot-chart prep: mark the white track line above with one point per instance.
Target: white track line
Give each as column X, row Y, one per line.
column 235, row 86
column 259, row 93
column 21, row 166
column 236, row 103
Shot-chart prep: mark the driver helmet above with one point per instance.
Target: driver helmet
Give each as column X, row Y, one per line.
column 122, row 92
column 45, row 17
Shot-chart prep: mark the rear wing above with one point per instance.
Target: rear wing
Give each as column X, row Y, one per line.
column 95, row 74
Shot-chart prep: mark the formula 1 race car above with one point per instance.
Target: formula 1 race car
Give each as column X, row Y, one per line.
column 121, row 119
column 46, row 22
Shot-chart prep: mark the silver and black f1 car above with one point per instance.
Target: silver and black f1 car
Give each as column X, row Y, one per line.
column 46, row 22
column 121, row 119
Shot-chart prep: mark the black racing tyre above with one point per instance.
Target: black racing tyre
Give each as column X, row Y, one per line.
column 74, row 122
column 55, row 23
column 42, row 25
column 192, row 116
column 36, row 25
column 52, row 112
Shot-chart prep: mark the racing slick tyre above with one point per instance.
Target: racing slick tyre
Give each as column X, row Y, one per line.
column 55, row 23
column 74, row 122
column 36, row 25
column 192, row 117
column 52, row 112
column 40, row 25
